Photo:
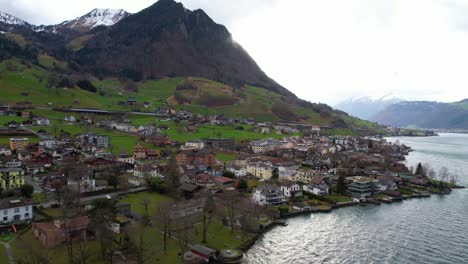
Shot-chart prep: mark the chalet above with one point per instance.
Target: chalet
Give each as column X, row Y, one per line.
column 317, row 185
column 42, row 121
column 203, row 180
column 188, row 190
column 57, row 232
column 98, row 163
column 290, row 189
column 49, row 143
column 42, row 158
column 268, row 195
column 239, row 171
column 194, row 144
column 83, row 183
column 65, row 136
column 158, row 140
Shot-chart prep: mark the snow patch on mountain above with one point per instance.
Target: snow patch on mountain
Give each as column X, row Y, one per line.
column 97, row 17
column 11, row 20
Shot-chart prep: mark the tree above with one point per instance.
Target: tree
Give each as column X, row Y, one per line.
column 102, row 214
column 163, row 218
column 230, row 202
column 341, row 185
column 419, row 170
column 229, row 174
column 172, row 173
column 275, row 174
column 156, row 184
column 27, row 190
column 242, row 184
column 208, row 207
column 113, row 176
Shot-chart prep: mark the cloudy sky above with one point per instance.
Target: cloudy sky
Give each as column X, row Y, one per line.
column 327, row 50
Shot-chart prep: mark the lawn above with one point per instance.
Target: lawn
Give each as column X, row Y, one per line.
column 136, row 201
column 53, row 212
column 219, row 236
column 224, row 157
column 340, row 198
column 3, row 255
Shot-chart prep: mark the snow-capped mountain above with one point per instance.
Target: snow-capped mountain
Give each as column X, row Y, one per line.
column 97, row 17
column 11, row 20
column 366, row 107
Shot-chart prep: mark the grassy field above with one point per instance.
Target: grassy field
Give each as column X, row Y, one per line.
column 136, row 201
column 253, row 102
column 339, row 198
column 224, row 157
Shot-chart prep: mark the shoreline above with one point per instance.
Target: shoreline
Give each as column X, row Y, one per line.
column 377, row 202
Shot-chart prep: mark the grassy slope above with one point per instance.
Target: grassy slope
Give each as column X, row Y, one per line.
column 257, row 102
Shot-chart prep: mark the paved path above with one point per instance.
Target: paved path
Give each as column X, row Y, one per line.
column 94, row 197
column 9, row 252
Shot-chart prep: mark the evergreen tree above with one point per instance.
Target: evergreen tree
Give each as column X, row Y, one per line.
column 341, row 185
column 419, row 170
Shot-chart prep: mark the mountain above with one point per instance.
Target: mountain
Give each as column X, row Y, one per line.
column 365, row 107
column 11, row 20
column 164, row 55
column 166, row 39
column 97, row 17
column 424, row 114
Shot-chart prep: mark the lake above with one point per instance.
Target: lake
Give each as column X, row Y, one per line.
column 420, row 231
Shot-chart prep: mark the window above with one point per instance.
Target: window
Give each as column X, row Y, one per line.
column 17, row 210
column 17, row 217
column 5, row 212
column 26, row 215
column 5, row 218
column 27, row 208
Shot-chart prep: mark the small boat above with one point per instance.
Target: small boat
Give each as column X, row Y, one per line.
column 281, row 223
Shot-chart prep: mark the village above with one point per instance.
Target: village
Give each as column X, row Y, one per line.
column 86, row 186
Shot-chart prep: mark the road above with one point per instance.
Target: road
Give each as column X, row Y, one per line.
column 94, row 197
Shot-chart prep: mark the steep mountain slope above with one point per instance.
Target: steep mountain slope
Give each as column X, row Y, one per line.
column 168, row 40
column 425, row 114
column 365, row 107
column 11, row 20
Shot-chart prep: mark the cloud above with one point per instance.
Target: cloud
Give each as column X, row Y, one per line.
column 327, row 50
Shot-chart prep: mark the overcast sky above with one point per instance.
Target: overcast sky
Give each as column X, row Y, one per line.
column 327, row 50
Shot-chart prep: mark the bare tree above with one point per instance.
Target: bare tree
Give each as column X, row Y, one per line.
column 230, row 202
column 164, row 221
column 146, row 215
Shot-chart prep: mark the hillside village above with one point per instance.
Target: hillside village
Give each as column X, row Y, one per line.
column 214, row 194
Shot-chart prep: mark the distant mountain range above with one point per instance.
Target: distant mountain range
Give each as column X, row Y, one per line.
column 424, row 114
column 366, row 107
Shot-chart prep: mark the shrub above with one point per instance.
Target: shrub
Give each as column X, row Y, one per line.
column 86, row 85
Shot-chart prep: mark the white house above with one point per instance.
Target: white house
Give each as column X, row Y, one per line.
column 86, row 183
column 195, row 144
column 268, row 195
column 290, row 189
column 317, row 185
column 48, row 143
column 42, row 121
column 125, row 158
column 239, row 171
column 70, row 119
column 5, row 151
column 15, row 210
column 141, row 172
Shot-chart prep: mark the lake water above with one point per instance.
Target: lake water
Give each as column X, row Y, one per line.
column 421, row 231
